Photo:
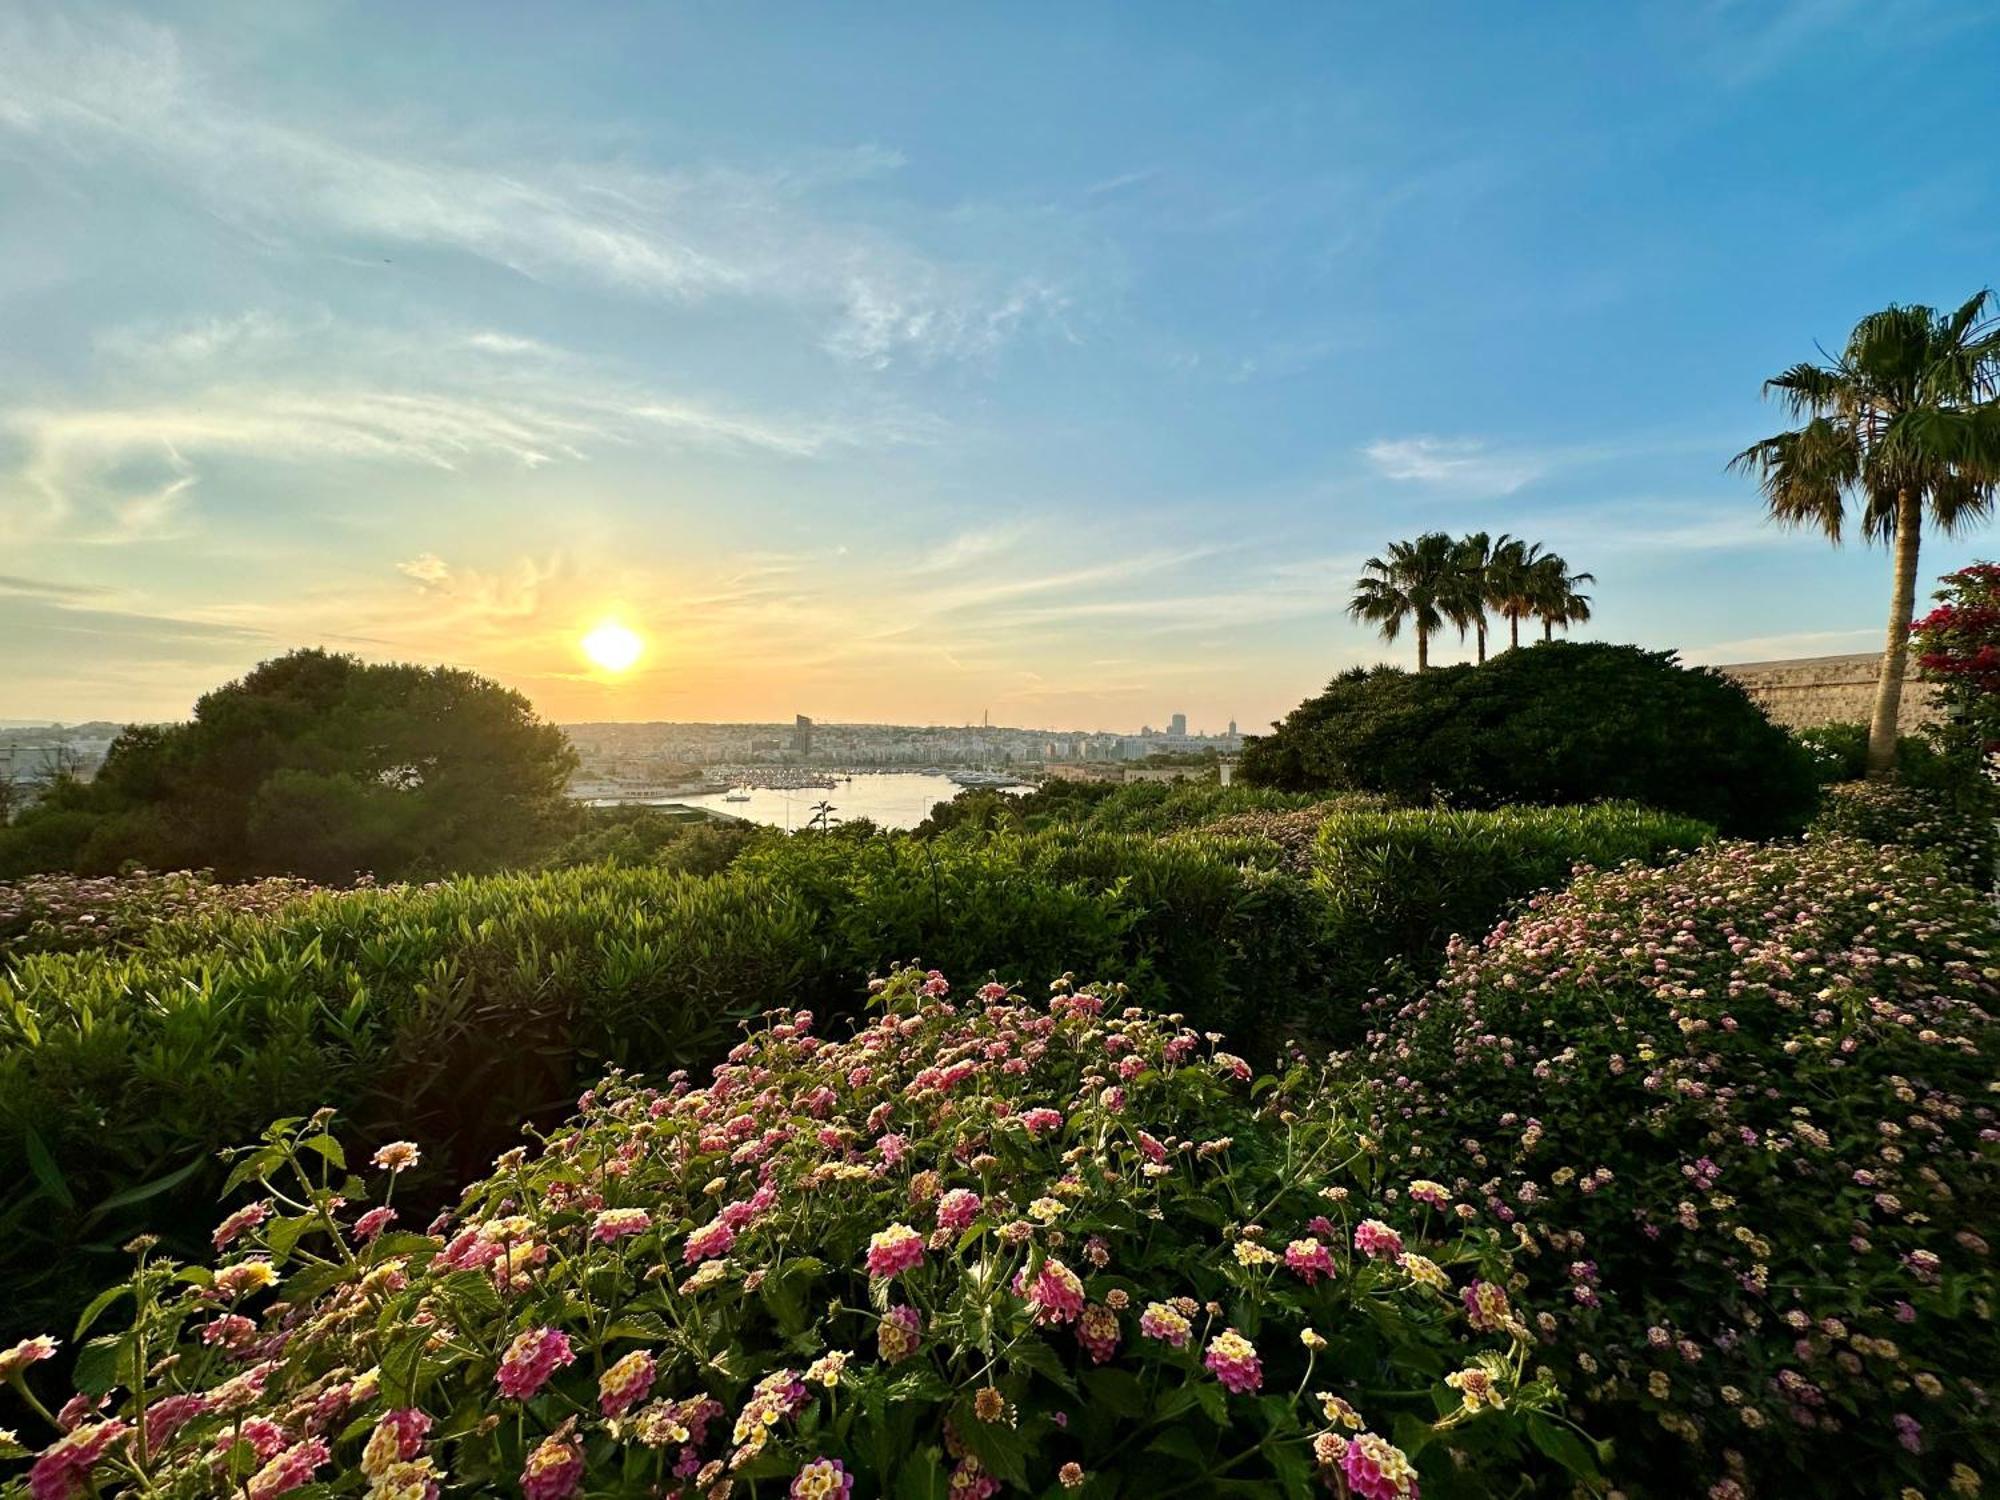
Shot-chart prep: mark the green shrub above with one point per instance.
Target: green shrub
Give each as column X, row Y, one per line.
column 1562, row 722
column 1743, row 1109
column 1188, row 924
column 443, row 1013
column 647, row 836
column 939, row 1258
column 1839, row 752
column 1397, row 886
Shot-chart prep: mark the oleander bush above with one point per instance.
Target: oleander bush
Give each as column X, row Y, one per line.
column 1957, row 827
column 1562, row 722
column 1742, row 1113
column 975, row 1248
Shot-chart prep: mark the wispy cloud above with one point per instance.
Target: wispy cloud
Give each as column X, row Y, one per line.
column 312, row 390
column 1460, row 465
column 86, row 85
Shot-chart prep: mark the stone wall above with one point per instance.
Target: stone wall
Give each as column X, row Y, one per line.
column 1812, row 690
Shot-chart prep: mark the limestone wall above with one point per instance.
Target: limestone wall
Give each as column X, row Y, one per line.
column 1811, row 690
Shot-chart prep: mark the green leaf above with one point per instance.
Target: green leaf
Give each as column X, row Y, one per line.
column 283, row 1235
column 997, row 1446
column 257, row 1164
column 1214, row 1404
column 1178, row 1442
column 1563, row 1445
column 99, row 1305
column 151, row 1189
column 327, row 1147
column 922, row 1477
column 43, row 1165
column 96, row 1372
column 1118, row 1391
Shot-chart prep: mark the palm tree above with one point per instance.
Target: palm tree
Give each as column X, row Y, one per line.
column 1421, row 582
column 1906, row 418
column 1557, row 593
column 1475, row 596
column 1510, row 582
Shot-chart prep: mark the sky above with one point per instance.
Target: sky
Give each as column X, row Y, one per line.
column 913, row 362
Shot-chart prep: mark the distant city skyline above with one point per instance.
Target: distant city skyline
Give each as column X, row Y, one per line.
column 916, row 363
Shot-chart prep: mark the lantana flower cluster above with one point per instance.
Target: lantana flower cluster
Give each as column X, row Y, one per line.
column 1741, row 1115
column 980, row 1246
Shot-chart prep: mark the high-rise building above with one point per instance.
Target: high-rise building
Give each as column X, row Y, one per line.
column 1177, row 726
column 1232, row 729
column 802, row 734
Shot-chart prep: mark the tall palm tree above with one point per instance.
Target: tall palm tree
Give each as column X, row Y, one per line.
column 1557, row 593
column 1904, row 422
column 1475, row 596
column 1419, row 582
column 1510, row 582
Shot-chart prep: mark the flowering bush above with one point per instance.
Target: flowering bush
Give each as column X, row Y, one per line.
column 65, row 913
column 971, row 1250
column 1957, row 646
column 1959, row 830
column 1741, row 1114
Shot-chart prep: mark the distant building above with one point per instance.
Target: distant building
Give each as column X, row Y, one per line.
column 1232, row 729
column 1177, row 726
column 802, row 735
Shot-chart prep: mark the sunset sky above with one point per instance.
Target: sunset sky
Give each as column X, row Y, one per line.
column 912, row 361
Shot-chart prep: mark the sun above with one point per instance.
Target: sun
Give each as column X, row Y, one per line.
column 613, row 646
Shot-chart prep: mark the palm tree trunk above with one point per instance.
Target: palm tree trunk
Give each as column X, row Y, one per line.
column 1482, row 640
column 1895, row 652
column 1423, row 649
column 1548, row 628
column 1513, row 631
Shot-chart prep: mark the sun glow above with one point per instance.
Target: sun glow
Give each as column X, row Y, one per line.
column 613, row 647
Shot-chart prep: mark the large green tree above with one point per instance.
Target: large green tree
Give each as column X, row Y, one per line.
column 1903, row 426
column 320, row 765
column 1419, row 583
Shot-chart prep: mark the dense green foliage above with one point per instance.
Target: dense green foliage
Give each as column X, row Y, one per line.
column 647, row 836
column 1742, row 1107
column 320, row 766
column 938, row 1257
column 1397, row 886
column 448, row 1013
column 1556, row 723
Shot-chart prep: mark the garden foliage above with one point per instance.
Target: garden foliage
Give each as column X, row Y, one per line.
column 1561, row 722
column 1742, row 1112
column 1049, row 1248
column 1397, row 886
column 449, row 1013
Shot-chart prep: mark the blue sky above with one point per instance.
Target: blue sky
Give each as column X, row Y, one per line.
column 902, row 361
